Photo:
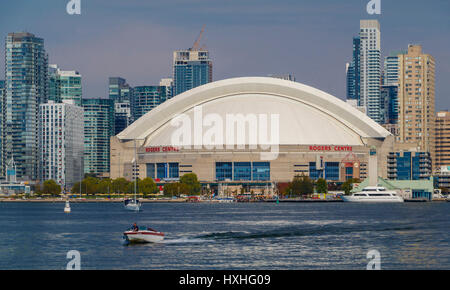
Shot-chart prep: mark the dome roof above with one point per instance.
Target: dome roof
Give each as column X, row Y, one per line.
column 306, row 115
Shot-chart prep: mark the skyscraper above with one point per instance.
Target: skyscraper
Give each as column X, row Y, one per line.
column 168, row 84
column 2, row 95
column 442, row 146
column 62, row 142
column 121, row 94
column 416, row 96
column 26, row 88
column 353, row 72
column 98, row 128
column 64, row 85
column 146, row 98
column 191, row 68
column 370, row 69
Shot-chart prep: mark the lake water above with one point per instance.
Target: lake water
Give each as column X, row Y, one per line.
column 227, row 236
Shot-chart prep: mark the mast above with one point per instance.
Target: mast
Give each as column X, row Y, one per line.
column 135, row 165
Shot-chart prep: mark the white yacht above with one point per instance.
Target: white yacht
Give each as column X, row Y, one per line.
column 373, row 194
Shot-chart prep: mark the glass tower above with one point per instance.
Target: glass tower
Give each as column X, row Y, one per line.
column 98, row 128
column 64, row 85
column 145, row 98
column 191, row 68
column 26, row 88
column 353, row 72
column 121, row 94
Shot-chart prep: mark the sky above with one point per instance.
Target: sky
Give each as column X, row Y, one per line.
column 311, row 39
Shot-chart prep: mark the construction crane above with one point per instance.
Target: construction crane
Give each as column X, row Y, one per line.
column 197, row 41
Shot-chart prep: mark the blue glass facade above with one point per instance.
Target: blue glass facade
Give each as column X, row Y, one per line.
column 409, row 165
column 261, row 171
column 243, row 171
column 224, row 171
column 163, row 170
column 191, row 69
column 145, row 98
column 330, row 172
column 26, row 73
column 353, row 72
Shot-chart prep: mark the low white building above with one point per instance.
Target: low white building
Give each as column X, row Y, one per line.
column 62, row 143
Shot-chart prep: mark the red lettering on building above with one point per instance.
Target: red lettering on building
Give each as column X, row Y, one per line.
column 330, row 148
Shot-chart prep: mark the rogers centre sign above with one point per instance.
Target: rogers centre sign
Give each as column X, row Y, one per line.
column 330, row 148
column 162, row 149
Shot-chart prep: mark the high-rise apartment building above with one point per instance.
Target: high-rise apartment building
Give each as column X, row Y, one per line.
column 353, row 72
column 391, row 68
column 98, row 128
column 370, row 69
column 168, row 84
column 191, row 68
column 64, row 85
column 145, row 98
column 442, row 141
column 121, row 95
column 416, row 97
column 62, row 143
column 409, row 165
column 26, row 88
column 2, row 103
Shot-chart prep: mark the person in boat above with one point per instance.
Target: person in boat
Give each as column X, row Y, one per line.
column 135, row 227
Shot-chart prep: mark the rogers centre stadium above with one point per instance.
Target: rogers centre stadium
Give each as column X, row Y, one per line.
column 317, row 135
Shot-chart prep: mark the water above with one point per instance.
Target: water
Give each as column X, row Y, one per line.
column 227, row 236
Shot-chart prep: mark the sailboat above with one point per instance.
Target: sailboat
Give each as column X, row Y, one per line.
column 133, row 204
column 67, row 207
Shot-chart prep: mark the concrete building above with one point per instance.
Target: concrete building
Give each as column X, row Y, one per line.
column 416, row 99
column 62, row 143
column 98, row 128
column 442, row 140
column 26, row 88
column 370, row 69
column 191, row 68
column 316, row 135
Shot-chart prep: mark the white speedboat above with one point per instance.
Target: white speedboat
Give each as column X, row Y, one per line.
column 132, row 204
column 373, row 194
column 146, row 235
column 67, row 207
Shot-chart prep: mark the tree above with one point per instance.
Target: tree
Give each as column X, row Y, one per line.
column 301, row 185
column 51, row 187
column 147, row 186
column 321, row 186
column 175, row 188
column 347, row 186
column 120, row 185
column 190, row 179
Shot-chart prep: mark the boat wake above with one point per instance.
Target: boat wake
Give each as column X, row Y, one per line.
column 302, row 231
column 186, row 241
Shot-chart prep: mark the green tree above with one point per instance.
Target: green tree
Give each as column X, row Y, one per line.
column 301, row 185
column 190, row 179
column 176, row 188
column 51, row 187
column 347, row 186
column 148, row 186
column 120, row 185
column 321, row 186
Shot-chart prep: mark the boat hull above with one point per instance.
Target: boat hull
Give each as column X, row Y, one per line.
column 393, row 199
column 143, row 236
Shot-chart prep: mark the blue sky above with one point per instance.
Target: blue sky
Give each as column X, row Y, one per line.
column 311, row 39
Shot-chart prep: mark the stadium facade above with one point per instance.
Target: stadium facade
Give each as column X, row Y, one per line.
column 308, row 132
